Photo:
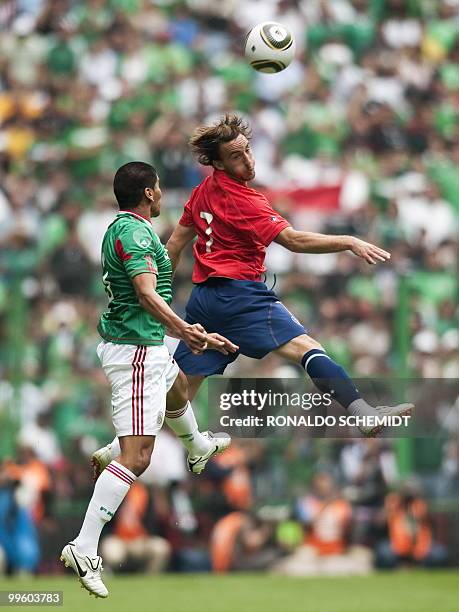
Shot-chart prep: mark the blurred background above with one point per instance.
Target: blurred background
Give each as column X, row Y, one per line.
column 359, row 135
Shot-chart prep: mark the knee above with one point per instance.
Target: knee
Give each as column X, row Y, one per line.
column 313, row 344
column 307, row 346
column 178, row 395
column 158, row 548
column 142, row 461
column 298, row 347
column 385, row 556
column 113, row 551
column 437, row 556
column 139, row 461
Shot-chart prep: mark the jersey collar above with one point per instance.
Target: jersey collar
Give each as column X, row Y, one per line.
column 221, row 174
column 123, row 213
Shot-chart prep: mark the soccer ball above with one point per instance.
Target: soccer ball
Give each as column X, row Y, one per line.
column 269, row 47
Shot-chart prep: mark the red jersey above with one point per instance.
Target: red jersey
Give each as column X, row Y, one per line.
column 234, row 224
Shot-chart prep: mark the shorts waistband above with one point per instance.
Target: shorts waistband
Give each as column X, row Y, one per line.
column 219, row 281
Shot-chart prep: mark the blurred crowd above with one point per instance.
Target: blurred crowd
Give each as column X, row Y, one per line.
column 298, row 508
column 371, row 104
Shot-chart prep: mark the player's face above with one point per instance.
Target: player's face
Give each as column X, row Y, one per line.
column 236, row 159
column 154, row 195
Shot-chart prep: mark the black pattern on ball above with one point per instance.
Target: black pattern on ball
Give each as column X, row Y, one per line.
column 269, row 39
column 268, row 65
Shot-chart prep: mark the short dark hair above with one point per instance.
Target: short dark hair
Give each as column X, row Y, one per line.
column 206, row 140
column 130, row 182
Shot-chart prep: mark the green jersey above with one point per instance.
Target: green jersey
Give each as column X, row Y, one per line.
column 131, row 247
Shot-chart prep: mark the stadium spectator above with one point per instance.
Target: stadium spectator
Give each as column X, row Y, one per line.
column 18, row 535
column 34, row 480
column 369, row 468
column 243, row 542
column 326, row 517
column 411, row 538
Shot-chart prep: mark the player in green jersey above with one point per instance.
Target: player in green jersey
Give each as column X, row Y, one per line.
column 147, row 385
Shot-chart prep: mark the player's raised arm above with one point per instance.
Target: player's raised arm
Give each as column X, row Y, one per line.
column 311, row 242
column 181, row 236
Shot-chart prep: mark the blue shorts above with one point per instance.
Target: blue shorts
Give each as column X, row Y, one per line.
column 245, row 312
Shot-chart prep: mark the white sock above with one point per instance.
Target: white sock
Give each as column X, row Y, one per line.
column 359, row 407
column 110, row 490
column 183, row 423
column 115, row 449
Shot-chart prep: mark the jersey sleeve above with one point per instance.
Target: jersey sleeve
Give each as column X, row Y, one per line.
column 136, row 249
column 254, row 214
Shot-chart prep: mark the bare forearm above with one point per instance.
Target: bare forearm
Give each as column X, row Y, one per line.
column 310, row 242
column 154, row 304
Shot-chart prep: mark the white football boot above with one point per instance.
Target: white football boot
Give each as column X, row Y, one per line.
column 400, row 410
column 88, row 570
column 100, row 459
column 219, row 443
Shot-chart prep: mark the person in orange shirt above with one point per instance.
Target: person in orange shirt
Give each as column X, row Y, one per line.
column 242, row 541
column 236, row 486
column 34, row 478
column 326, row 517
column 409, row 530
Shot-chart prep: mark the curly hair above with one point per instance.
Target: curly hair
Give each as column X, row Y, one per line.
column 206, row 140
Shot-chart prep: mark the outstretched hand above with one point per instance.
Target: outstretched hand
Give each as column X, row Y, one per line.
column 199, row 340
column 371, row 253
column 220, row 343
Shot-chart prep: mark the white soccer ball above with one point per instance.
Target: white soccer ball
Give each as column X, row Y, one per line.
column 269, row 47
